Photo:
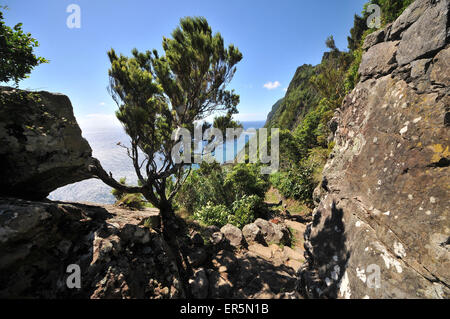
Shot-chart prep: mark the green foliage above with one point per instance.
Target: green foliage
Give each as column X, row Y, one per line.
column 17, row 59
column 212, row 191
column 132, row 201
column 215, row 215
column 246, row 210
column 297, row 183
column 158, row 94
column 245, row 179
column 390, row 9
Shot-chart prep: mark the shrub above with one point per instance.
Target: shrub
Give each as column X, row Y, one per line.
column 133, row 201
column 246, row 210
column 216, row 215
column 246, row 179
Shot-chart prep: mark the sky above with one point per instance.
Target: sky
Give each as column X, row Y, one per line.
column 275, row 37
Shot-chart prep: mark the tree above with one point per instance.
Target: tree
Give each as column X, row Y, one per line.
column 17, row 59
column 156, row 95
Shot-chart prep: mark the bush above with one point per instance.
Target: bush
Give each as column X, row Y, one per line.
column 132, row 201
column 246, row 179
column 216, row 215
column 297, row 183
column 246, row 210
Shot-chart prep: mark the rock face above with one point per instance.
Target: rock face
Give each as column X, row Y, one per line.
column 41, row 147
column 118, row 257
column 381, row 225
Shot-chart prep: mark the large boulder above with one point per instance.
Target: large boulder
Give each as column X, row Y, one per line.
column 380, row 228
column 41, row 147
column 233, row 234
column 117, row 256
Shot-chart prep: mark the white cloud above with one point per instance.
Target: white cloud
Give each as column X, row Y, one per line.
column 102, row 103
column 98, row 121
column 272, row 85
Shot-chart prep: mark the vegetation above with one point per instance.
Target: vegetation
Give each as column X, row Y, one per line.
column 312, row 97
column 17, row 58
column 215, row 195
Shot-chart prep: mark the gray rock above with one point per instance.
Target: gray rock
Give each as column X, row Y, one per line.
column 40, row 144
column 197, row 257
column 233, row 234
column 252, row 233
column 408, row 17
column 440, row 72
column 374, row 38
column 219, row 285
column 378, row 60
column 426, row 35
column 419, row 67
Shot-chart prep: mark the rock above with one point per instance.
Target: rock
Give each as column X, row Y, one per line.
column 197, row 239
column 38, row 240
column 217, row 238
column 294, row 264
column 440, row 73
column 219, row 285
column 374, row 38
column 380, row 229
column 378, row 60
column 262, row 251
column 253, row 234
column 233, row 234
column 199, row 284
column 291, row 254
column 225, row 260
column 273, row 233
column 426, row 35
column 197, row 257
column 40, row 144
column 419, row 68
column 408, row 17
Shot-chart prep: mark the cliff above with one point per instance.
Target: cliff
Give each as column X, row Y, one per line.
column 380, row 228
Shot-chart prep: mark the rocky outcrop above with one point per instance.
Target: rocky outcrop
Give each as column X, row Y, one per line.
column 381, row 225
column 41, row 147
column 118, row 256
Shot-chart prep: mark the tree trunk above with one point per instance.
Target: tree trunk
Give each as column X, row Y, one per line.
column 170, row 229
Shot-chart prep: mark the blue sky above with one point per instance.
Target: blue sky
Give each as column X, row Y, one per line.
column 275, row 38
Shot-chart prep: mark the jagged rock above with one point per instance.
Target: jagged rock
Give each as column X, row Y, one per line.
column 217, row 238
column 380, row 229
column 233, row 234
column 262, row 251
column 374, row 38
column 197, row 239
column 199, row 284
column 426, row 35
column 252, row 234
column 440, row 73
column 41, row 147
column 408, row 17
column 38, row 240
column 378, row 60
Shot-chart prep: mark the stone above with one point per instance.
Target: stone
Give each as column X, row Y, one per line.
column 419, row 67
column 378, row 60
column 291, row 254
column 197, row 239
column 41, row 146
column 440, row 72
column 252, row 234
column 219, row 285
column 408, row 17
column 217, row 238
column 262, row 251
column 39, row 239
column 199, row 284
column 197, row 257
column 426, row 35
column 373, row 38
column 226, row 259
column 233, row 234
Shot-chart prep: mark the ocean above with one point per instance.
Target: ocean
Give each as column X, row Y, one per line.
column 114, row 159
